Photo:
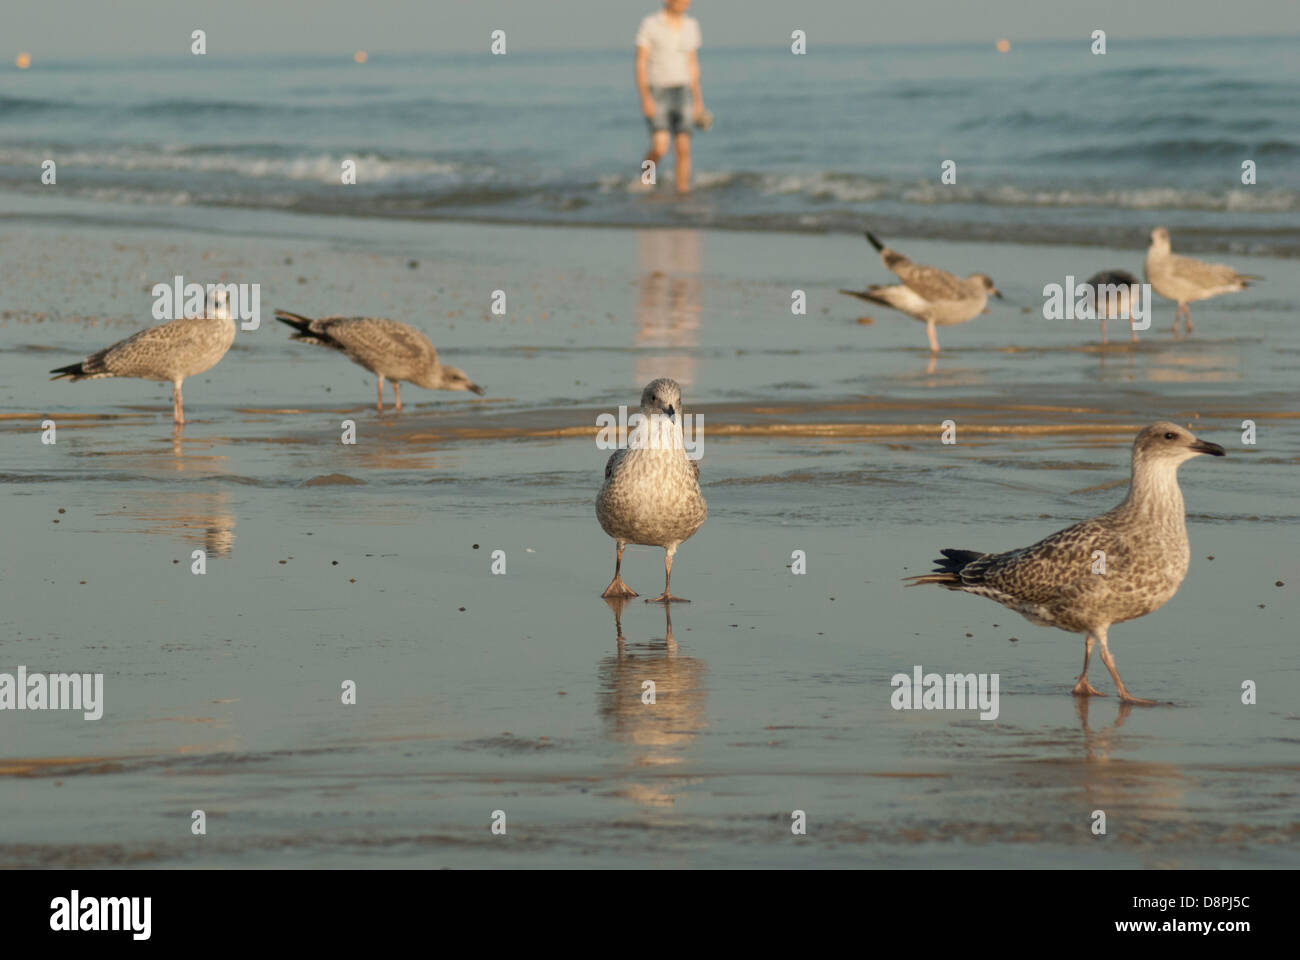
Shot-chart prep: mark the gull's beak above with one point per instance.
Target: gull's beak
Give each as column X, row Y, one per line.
column 1213, row 449
column 997, row 293
column 670, row 411
column 476, row 388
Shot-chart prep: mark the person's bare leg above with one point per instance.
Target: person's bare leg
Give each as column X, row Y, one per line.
column 934, row 340
column 178, row 404
column 1083, row 688
column 381, row 394
column 397, row 394
column 658, row 147
column 1108, row 658
column 617, row 588
column 682, row 168
column 666, row 596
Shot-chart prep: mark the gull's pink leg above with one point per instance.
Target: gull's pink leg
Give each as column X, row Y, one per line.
column 397, row 394
column 666, row 596
column 617, row 588
column 178, row 404
column 1108, row 658
column 1083, row 688
column 381, row 393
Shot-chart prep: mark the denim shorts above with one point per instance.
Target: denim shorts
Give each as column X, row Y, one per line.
column 672, row 110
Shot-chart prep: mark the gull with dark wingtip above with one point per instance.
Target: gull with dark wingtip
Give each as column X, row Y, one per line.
column 1121, row 565
column 169, row 352
column 387, row 348
column 933, row 296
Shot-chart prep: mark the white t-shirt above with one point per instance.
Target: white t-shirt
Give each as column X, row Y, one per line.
column 669, row 65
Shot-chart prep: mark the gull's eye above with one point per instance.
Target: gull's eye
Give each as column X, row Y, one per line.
column 1170, row 436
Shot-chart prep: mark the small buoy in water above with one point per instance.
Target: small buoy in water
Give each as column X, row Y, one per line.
column 1004, row 45
column 23, row 61
column 359, row 56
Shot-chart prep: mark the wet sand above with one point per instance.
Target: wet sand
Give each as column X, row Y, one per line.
column 821, row 435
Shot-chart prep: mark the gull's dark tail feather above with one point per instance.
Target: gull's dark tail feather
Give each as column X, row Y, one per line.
column 949, row 568
column 874, row 242
column 92, row 368
column 867, row 295
column 305, row 333
column 75, row 371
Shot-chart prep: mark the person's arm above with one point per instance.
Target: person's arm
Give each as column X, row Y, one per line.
column 693, row 63
column 642, row 83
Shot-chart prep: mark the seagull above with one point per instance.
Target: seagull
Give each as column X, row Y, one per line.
column 1116, row 567
column 387, row 348
column 170, row 351
column 928, row 294
column 1186, row 280
column 1108, row 294
column 651, row 495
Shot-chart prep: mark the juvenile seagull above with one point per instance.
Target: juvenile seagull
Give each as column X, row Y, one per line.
column 1186, row 280
column 928, row 294
column 387, row 348
column 170, row 351
column 1138, row 551
column 1108, row 306
column 651, row 493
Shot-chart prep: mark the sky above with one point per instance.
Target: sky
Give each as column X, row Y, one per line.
column 62, row 29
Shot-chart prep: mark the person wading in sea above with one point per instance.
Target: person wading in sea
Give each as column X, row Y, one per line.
column 668, row 82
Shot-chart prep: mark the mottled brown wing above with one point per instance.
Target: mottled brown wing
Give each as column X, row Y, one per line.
column 1051, row 568
column 379, row 336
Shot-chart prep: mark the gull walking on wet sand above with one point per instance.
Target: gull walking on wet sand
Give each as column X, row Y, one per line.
column 387, row 348
column 651, row 495
column 169, row 352
column 933, row 296
column 1119, row 566
column 1111, row 295
column 1186, row 280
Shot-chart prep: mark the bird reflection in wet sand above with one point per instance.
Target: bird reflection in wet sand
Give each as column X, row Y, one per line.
column 206, row 520
column 1148, row 798
column 657, row 734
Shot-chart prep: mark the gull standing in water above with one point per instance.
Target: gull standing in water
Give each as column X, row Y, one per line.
column 1186, row 280
column 1111, row 295
column 928, row 294
column 387, row 348
column 1119, row 566
column 170, row 351
column 651, row 495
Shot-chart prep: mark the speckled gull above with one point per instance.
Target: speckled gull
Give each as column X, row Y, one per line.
column 1186, row 280
column 169, row 352
column 651, row 495
column 928, row 294
column 387, row 348
column 1119, row 566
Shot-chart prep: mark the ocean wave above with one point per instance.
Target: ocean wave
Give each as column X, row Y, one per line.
column 322, row 168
